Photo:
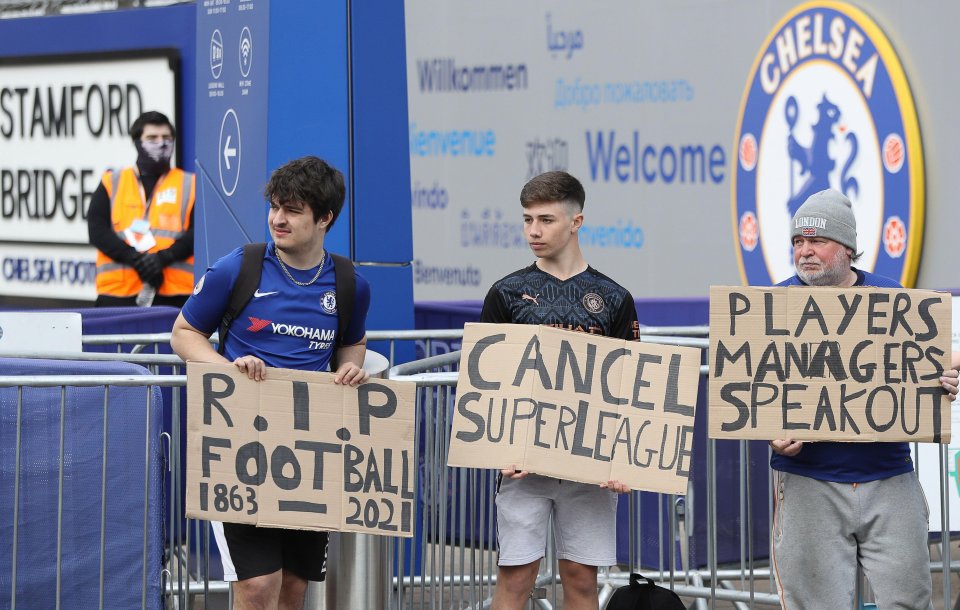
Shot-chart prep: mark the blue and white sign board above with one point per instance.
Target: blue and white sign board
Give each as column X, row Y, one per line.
column 63, row 122
column 694, row 143
column 232, row 86
column 328, row 74
column 565, row 87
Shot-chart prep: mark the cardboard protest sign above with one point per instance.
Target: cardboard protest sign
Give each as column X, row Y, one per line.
column 575, row 406
column 847, row 364
column 298, row 451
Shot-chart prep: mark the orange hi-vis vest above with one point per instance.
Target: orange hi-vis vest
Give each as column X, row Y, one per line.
column 168, row 213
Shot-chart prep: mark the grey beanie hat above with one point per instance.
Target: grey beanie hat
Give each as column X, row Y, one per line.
column 826, row 214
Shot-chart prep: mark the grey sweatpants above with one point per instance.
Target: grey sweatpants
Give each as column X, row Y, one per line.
column 822, row 530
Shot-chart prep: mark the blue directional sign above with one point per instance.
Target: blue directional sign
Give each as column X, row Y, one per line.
column 231, row 126
column 316, row 108
column 229, row 159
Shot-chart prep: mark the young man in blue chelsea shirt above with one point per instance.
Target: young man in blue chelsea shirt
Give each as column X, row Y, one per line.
column 840, row 504
column 290, row 322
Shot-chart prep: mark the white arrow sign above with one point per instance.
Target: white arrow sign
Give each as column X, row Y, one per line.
column 231, row 153
column 228, row 152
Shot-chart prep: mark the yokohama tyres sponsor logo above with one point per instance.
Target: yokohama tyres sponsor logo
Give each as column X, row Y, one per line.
column 314, row 334
column 291, row 330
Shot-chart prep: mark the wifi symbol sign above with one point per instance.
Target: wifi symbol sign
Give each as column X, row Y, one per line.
column 246, row 51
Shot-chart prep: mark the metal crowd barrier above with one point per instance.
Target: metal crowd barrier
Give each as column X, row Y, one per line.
column 451, row 561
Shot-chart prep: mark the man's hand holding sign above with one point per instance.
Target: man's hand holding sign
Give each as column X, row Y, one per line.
column 575, row 406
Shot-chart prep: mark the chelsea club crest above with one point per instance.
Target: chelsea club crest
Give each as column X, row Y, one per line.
column 827, row 105
column 329, row 302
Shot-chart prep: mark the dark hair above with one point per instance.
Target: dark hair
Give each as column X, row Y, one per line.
column 151, row 117
column 311, row 181
column 553, row 186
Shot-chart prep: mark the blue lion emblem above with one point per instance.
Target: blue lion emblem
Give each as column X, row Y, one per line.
column 329, row 302
column 813, row 120
column 815, row 159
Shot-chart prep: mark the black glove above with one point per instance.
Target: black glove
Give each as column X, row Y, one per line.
column 149, row 269
column 128, row 256
column 164, row 257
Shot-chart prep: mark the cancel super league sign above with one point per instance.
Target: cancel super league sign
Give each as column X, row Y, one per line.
column 843, row 364
column 575, row 406
column 298, row 451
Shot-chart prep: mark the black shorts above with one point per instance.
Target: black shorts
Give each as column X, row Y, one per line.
column 257, row 551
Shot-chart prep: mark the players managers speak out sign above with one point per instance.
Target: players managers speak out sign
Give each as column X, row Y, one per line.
column 63, row 122
column 843, row 364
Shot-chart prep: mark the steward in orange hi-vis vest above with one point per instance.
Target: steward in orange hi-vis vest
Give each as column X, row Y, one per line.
column 168, row 215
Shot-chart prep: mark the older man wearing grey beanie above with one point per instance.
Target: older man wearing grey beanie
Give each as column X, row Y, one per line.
column 840, row 504
column 824, row 234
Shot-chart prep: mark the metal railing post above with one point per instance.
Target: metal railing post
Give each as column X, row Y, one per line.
column 356, row 571
column 357, row 567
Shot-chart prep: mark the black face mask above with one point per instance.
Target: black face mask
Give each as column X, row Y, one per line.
column 153, row 158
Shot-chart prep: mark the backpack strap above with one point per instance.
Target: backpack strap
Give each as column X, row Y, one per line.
column 251, row 266
column 346, row 284
column 638, row 580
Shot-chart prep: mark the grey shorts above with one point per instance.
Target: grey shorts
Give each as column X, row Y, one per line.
column 584, row 521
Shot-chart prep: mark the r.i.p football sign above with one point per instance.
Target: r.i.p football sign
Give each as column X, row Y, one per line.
column 298, row 451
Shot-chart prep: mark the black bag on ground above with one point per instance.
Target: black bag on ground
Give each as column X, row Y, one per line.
column 643, row 594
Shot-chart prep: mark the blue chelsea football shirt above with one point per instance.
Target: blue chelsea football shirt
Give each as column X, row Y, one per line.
column 285, row 325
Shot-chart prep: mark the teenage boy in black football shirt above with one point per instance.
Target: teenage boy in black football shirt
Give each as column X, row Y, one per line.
column 560, row 289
